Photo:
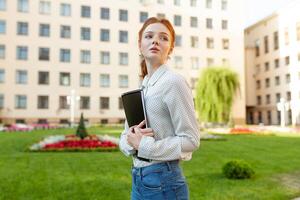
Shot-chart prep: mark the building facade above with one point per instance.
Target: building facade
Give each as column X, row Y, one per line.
column 272, row 54
column 50, row 47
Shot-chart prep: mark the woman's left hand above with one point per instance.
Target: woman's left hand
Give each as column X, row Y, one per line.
column 135, row 134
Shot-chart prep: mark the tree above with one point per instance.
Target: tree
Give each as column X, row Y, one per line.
column 215, row 92
column 81, row 131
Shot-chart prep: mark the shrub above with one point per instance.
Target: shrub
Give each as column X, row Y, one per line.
column 81, row 131
column 238, row 169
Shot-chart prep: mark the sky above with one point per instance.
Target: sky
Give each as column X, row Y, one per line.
column 259, row 9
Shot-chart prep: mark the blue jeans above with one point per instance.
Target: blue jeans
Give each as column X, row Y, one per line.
column 163, row 181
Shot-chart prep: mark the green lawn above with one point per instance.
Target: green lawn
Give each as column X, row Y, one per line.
column 95, row 175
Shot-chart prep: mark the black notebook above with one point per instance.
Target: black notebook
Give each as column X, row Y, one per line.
column 134, row 107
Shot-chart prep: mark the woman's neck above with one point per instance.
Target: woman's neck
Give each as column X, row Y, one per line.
column 152, row 67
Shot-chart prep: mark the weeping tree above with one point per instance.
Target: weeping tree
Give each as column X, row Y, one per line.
column 215, row 92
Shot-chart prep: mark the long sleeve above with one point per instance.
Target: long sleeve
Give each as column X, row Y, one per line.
column 179, row 102
column 124, row 146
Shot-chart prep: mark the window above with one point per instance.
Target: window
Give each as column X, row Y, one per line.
column 85, row 80
column 64, row 78
column 258, row 84
column 178, row 62
column 104, row 57
column 143, row 16
column 177, row 20
column 45, row 7
column 63, row 102
column 123, row 81
column 276, row 63
column 267, row 66
column 298, row 57
column 65, row 55
column 266, row 44
column 85, row 11
column 104, row 102
column 23, row 6
column 120, row 103
column 287, row 60
column 288, row 96
column 194, row 42
column 85, row 33
column 177, row 2
column 194, row 22
column 224, row 5
column 44, row 53
column 123, row 36
column 104, row 13
column 2, row 75
column 178, row 40
column 104, row 80
column 1, row 101
column 275, row 38
column 2, row 51
column 209, row 43
column 278, row 97
column 43, row 78
column 123, row 58
column 160, row 1
column 2, row 27
column 2, row 5
column 286, row 36
column 43, row 102
column 22, row 53
column 225, row 43
column 104, row 35
column 298, row 31
column 193, row 3
column 195, row 62
column 269, row 116
column 287, row 78
column 209, row 23
column 65, row 31
column 65, row 9
column 210, row 62
column 85, row 56
column 21, row 76
column 267, row 82
column 258, row 100
column 22, row 28
column 277, row 80
column 225, row 62
column 44, row 30
column 268, row 99
column 208, row 4
column 161, row 16
column 123, row 15
column 84, row 102
column 224, row 24
column 194, row 83
column 20, row 101
column 257, row 43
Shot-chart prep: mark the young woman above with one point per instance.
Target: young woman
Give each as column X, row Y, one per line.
column 173, row 133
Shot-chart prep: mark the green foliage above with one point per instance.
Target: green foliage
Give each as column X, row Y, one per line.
column 81, row 131
column 238, row 169
column 215, row 92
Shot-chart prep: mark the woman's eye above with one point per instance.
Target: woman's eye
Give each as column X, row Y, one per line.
column 148, row 36
column 164, row 38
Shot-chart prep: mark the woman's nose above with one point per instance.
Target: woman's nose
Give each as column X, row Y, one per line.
column 155, row 40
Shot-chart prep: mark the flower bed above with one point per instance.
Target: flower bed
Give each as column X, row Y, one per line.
column 74, row 143
column 241, row 130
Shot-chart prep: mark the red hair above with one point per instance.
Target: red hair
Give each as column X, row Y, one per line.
column 154, row 20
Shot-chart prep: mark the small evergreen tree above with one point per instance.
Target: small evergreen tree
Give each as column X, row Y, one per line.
column 81, row 131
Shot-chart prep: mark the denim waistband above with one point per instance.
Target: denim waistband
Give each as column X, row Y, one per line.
column 168, row 165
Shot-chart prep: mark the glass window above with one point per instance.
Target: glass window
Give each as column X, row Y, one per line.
column 123, row 15
column 65, row 9
column 2, row 51
column 193, row 3
column 20, row 101
column 43, row 78
column 65, row 31
column 277, row 80
column 64, row 78
column 85, row 33
column 123, row 58
column 286, row 36
column 209, row 43
column 224, row 5
column 225, row 43
column 224, row 24
column 225, row 62
column 22, row 53
column 44, row 54
column 208, row 4
column 1, row 101
column 160, row 1
column 161, row 16
column 104, row 35
column 21, row 76
column 104, row 57
column 210, row 62
column 177, row 20
column 22, row 28
column 178, row 64
column 143, row 16
column 194, row 22
column 104, row 13
column 267, row 66
column 85, row 80
column 23, row 6
column 287, row 60
column 266, row 44
column 104, row 102
column 278, row 97
column 267, row 82
column 195, row 62
column 121, row 103
column 45, row 7
column 2, row 75
column 86, row 11
column 123, row 81
column 194, row 42
column 63, row 102
column 84, row 102
column 2, row 5
column 276, row 63
column 257, row 43
column 43, row 102
column 2, row 27
column 85, row 56
column 194, row 83
column 258, row 100
column 287, row 78
column 65, row 55
column 209, row 23
column 178, row 40
column 44, row 30
column 276, row 42
column 104, row 80
column 268, row 99
column 258, row 84
column 123, row 36
column 288, row 96
column 177, row 2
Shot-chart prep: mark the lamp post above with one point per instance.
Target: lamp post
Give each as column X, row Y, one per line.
column 71, row 100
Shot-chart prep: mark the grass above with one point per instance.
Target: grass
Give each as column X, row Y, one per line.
column 95, row 175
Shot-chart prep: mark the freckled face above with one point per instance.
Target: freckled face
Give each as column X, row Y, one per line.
column 156, row 43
